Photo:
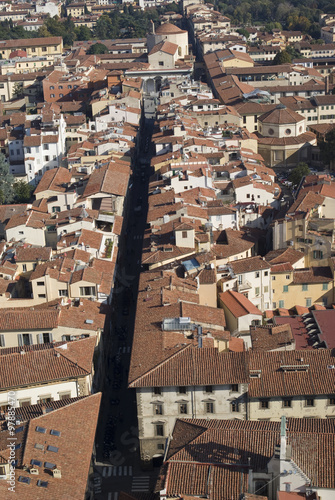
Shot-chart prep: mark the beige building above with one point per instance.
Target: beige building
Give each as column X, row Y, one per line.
column 169, row 33
column 48, row 46
column 283, row 139
column 291, row 383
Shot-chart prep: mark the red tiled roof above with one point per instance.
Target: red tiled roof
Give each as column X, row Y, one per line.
column 73, row 457
column 238, row 304
column 40, row 364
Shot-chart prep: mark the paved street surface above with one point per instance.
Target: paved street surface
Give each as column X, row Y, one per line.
column 117, row 451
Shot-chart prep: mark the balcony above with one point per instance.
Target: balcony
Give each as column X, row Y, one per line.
column 242, row 287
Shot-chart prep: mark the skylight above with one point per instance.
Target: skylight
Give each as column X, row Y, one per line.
column 42, row 484
column 39, row 446
column 52, row 448
column 36, row 462
column 23, row 479
column 19, row 429
column 53, row 432
column 42, row 430
column 49, row 465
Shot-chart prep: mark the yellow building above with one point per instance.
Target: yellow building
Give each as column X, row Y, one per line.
column 52, row 45
column 304, row 287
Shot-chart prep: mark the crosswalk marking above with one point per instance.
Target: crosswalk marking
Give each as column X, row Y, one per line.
column 128, row 349
column 130, row 470
column 140, row 484
column 120, row 470
column 114, row 470
column 113, row 495
column 109, row 472
column 104, row 471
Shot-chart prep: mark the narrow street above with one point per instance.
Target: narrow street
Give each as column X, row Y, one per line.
column 117, row 465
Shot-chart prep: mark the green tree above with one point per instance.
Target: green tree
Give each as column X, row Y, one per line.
column 98, row 48
column 243, row 32
column 83, row 33
column 327, row 149
column 6, row 181
column 300, row 171
column 282, row 57
column 22, row 191
column 43, row 32
column 18, row 90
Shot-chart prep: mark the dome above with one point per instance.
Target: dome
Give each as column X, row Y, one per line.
column 280, row 115
column 168, row 29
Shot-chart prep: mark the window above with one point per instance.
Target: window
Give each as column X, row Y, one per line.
column 183, row 409
column 184, row 234
column 308, row 302
column 257, row 291
column 40, row 283
column 266, row 273
column 62, row 293
column 317, row 254
column 52, row 95
column 234, row 388
column 182, row 389
column 285, row 288
column 157, row 391
column 287, row 403
column 60, row 87
column 86, row 290
column 44, row 49
column 304, row 287
column 273, row 278
column 24, row 402
column 52, row 87
column 47, row 338
column 209, row 407
column 46, row 158
column 266, row 289
column 161, row 63
column 25, row 339
column 257, row 274
column 281, row 304
column 65, row 395
column 209, row 389
column 264, row 404
column 331, row 401
column 160, row 446
column 158, row 409
column 45, row 146
column 287, row 276
column 235, row 406
column 159, row 429
column 60, row 95
column 324, row 286
column 309, row 402
column 45, row 399
column 41, row 296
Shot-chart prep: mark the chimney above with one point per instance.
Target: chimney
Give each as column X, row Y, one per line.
column 44, row 409
column 327, row 85
column 152, row 27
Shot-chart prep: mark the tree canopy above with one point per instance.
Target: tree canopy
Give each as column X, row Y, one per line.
column 282, row 57
column 327, row 148
column 300, row 171
column 22, row 191
column 98, row 48
column 6, row 181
